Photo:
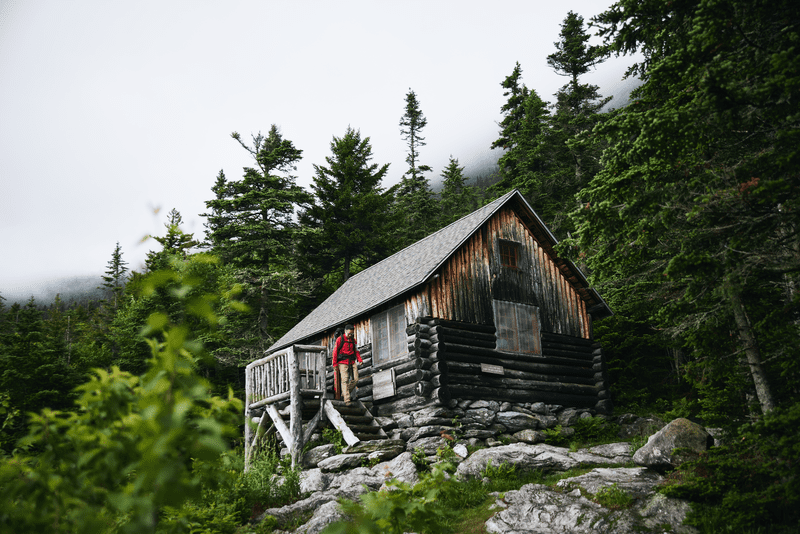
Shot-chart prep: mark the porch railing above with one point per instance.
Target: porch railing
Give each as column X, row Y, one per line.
column 283, row 376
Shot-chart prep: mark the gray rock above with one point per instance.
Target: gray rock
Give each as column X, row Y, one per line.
column 387, row 423
column 586, row 459
column 525, row 457
column 464, row 404
column 660, row 510
column 539, row 407
column 461, row 450
column 401, row 469
column 506, row 406
column 507, row 439
column 619, row 452
column 585, row 415
column 522, row 409
column 341, row 461
column 568, row 417
column 491, row 442
column 357, row 478
column 433, row 430
column 679, row 441
column 480, row 416
column 376, row 445
column 434, row 415
column 312, row 480
column 477, row 434
column 637, row 482
column 403, row 420
column 317, row 454
column 491, row 405
column 531, row 436
column 516, row 421
column 428, row 445
column 328, row 513
column 537, row 509
column 546, row 421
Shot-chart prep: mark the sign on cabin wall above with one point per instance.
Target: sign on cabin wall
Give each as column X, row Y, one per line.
column 492, row 369
column 383, row 385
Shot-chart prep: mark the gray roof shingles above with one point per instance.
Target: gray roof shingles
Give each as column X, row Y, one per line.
column 390, row 277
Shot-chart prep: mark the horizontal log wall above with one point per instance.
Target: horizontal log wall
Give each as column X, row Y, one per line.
column 565, row 373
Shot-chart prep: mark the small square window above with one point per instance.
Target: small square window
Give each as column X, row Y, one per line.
column 508, row 253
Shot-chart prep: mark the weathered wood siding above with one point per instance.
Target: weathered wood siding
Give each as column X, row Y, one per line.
column 474, row 275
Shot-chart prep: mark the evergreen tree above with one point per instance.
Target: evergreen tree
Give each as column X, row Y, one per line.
column 458, row 198
column 175, row 243
column 252, row 228
column 348, row 223
column 415, row 201
column 114, row 278
column 696, row 209
column 573, row 153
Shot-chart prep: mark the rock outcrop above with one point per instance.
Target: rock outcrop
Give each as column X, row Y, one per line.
column 574, row 505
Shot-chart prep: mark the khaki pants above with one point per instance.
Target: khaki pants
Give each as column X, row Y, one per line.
column 344, row 379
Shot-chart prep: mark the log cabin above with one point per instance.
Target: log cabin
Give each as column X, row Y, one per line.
column 481, row 309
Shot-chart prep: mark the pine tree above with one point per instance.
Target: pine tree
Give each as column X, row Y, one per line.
column 573, row 154
column 175, row 243
column 114, row 278
column 415, row 201
column 458, row 198
column 347, row 223
column 252, row 228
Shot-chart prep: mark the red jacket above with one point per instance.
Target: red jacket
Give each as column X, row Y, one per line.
column 344, row 350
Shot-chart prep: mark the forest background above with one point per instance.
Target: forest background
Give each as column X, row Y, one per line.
column 682, row 207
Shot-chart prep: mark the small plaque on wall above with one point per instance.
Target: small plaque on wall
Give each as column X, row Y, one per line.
column 383, row 385
column 491, row 369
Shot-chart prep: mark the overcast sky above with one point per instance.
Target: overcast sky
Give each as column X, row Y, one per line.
column 112, row 113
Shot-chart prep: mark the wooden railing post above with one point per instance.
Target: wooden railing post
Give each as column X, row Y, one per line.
column 295, row 407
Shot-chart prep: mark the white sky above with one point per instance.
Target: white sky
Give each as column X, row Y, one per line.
column 111, row 110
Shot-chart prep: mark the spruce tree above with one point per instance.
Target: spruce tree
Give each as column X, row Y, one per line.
column 573, row 154
column 175, row 243
column 458, row 198
column 415, row 200
column 114, row 278
column 252, row 228
column 347, row 224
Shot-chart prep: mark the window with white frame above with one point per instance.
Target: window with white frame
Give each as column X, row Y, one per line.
column 389, row 338
column 518, row 327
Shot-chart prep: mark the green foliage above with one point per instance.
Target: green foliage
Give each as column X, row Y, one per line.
column 335, row 437
column 419, row 458
column 594, row 430
column 613, row 497
column 340, row 226
column 457, row 198
column 752, row 482
column 405, row 508
column 135, row 446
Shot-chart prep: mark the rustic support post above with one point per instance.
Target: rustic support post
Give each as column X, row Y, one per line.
column 295, row 407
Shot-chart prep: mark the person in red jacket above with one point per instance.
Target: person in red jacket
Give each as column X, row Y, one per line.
column 345, row 358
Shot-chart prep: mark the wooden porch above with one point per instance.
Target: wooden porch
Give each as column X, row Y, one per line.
column 291, row 383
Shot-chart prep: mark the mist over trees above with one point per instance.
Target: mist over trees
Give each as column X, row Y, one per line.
column 682, row 208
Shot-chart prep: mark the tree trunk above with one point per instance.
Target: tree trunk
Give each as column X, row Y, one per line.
column 346, row 269
column 748, row 339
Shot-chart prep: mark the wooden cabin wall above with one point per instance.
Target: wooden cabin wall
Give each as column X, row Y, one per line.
column 474, row 275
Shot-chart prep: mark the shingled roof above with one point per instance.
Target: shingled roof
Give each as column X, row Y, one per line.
column 401, row 272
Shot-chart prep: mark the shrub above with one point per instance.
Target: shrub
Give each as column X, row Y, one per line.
column 751, row 482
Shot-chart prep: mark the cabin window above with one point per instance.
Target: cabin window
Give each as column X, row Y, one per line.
column 389, row 340
column 509, row 253
column 518, row 327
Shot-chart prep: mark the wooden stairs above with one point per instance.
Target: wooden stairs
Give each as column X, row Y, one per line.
column 286, row 393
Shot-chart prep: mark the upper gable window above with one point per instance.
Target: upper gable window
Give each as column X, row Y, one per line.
column 509, row 253
column 389, row 339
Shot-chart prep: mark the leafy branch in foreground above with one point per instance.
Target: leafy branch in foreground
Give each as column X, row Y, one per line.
column 128, row 451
